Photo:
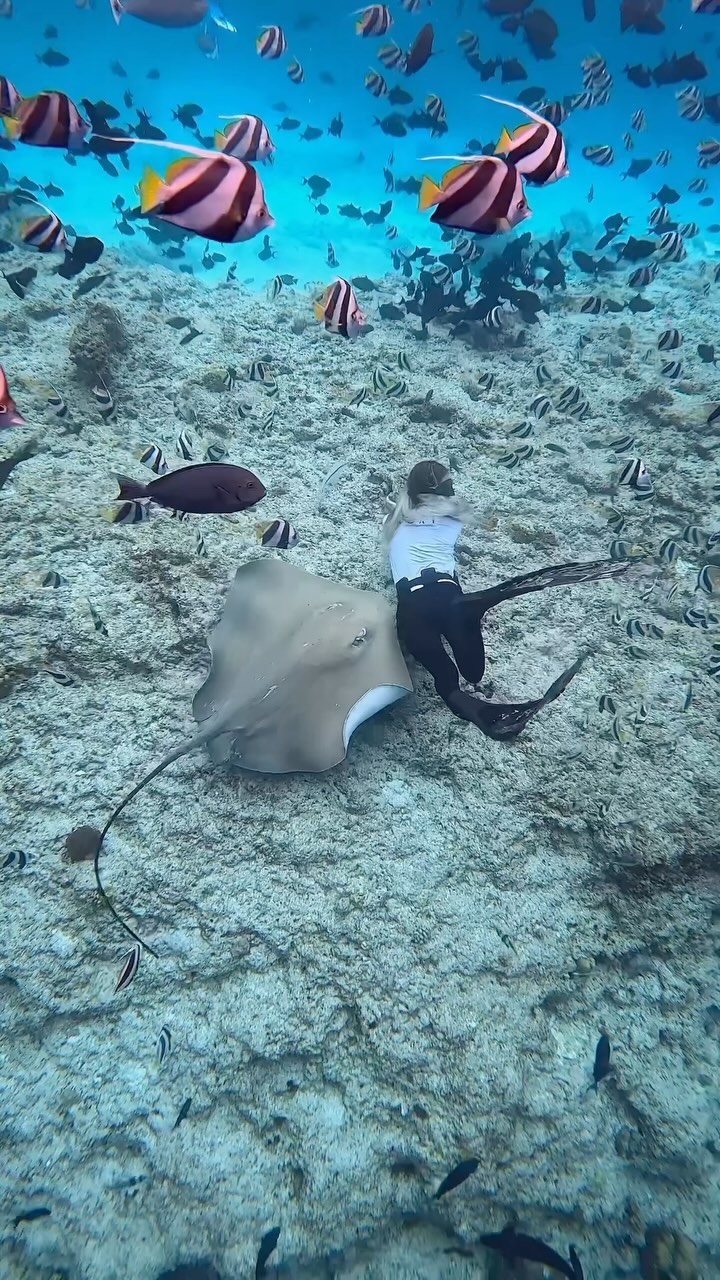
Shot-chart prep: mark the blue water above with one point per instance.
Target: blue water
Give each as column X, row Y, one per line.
column 324, row 41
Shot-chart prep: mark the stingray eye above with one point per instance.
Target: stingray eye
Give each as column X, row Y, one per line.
column 360, row 637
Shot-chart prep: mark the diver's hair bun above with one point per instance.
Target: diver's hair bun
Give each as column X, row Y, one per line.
column 429, row 477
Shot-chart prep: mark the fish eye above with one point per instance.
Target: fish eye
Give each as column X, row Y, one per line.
column 360, row 637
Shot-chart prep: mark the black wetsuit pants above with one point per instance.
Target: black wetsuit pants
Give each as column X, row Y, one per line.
column 433, row 608
column 424, row 618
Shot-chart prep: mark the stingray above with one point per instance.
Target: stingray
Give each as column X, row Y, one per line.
column 298, row 662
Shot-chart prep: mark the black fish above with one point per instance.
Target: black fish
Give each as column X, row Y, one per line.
column 706, row 353
column 399, row 97
column 637, row 168
column 394, row 125
column 673, row 70
column 373, row 217
column 183, row 1112
column 410, row 185
column 364, row 284
column 205, row 488
column 20, row 281
column 634, row 250
column 420, row 50
column 336, row 126
column 666, row 195
column 514, row 1244
column 512, row 69
column 639, row 75
column 145, row 129
column 267, row 1246
column 7, row 465
column 639, row 303
column 349, row 211
column 31, row 1215
column 589, row 10
column 601, row 1066
column 585, row 262
column 456, row 1176
column 92, row 282
column 389, row 311
column 53, row 58
column 185, row 114
column 86, row 250
column 311, row 133
column 289, row 123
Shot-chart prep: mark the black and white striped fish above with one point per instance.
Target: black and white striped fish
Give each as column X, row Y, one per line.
column 271, row 43
column 129, row 969
column 245, row 138
column 340, row 310
column 106, row 404
column 276, row 533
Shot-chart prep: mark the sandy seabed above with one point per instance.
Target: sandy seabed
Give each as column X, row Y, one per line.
column 374, row 973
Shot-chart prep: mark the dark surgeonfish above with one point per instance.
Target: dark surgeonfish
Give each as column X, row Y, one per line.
column 163, row 13
column 513, row 1244
column 206, row 488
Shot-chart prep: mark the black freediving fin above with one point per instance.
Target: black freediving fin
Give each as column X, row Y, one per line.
column 559, row 575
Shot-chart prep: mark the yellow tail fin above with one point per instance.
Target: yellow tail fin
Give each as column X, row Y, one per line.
column 429, row 193
column 149, row 187
column 503, row 142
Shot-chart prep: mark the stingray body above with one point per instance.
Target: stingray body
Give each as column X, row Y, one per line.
column 298, row 662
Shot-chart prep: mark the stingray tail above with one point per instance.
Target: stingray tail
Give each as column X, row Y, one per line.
column 559, row 575
column 190, row 745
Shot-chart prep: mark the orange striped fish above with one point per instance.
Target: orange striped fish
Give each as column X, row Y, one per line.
column 48, row 119
column 9, row 415
column 247, row 138
column 537, row 150
column 217, row 197
column 482, row 193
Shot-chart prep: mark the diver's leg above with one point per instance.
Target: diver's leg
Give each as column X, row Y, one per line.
column 461, row 628
column 420, row 634
column 507, row 719
column 560, row 575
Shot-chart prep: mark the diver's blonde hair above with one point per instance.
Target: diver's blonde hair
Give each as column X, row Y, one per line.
column 407, row 510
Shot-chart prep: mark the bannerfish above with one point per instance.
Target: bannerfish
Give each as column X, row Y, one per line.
column 163, row 13
column 220, row 198
column 271, row 43
column 375, row 20
column 484, row 195
column 44, row 232
column 537, row 150
column 340, row 310
column 205, row 488
column 48, row 119
column 276, row 533
column 246, row 138
column 9, row 414
column 9, row 97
